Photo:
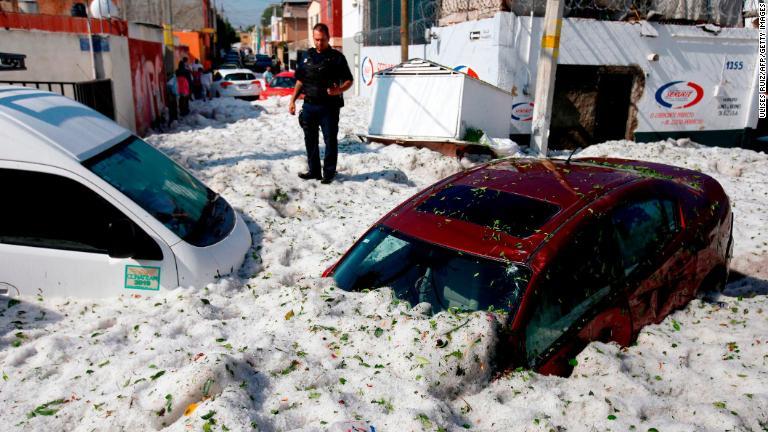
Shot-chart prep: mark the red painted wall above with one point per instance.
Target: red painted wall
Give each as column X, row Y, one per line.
column 206, row 18
column 332, row 19
column 54, row 7
column 199, row 46
column 148, row 78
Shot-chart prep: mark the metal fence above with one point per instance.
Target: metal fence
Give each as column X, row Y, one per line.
column 382, row 17
column 97, row 94
column 382, row 21
column 726, row 13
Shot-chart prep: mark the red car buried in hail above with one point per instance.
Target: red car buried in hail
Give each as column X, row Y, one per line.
column 281, row 84
column 579, row 251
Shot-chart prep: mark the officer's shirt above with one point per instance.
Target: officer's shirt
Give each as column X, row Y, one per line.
column 320, row 70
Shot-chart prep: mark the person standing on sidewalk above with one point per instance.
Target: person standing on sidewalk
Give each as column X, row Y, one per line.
column 182, row 85
column 206, row 80
column 323, row 76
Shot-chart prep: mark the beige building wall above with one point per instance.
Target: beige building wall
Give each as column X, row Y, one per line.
column 295, row 29
column 58, row 57
column 313, row 17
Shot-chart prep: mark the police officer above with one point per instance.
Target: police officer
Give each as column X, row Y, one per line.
column 322, row 76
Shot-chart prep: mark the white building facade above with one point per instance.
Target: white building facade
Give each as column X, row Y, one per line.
column 677, row 80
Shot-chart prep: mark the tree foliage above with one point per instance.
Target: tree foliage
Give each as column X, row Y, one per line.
column 225, row 33
column 266, row 16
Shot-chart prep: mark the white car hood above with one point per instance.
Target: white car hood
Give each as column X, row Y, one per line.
column 199, row 266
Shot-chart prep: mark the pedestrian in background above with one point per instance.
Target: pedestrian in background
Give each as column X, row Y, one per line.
column 182, row 84
column 323, row 76
column 173, row 99
column 183, row 67
column 197, row 74
column 206, row 80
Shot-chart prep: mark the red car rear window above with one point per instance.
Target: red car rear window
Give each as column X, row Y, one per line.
column 513, row 214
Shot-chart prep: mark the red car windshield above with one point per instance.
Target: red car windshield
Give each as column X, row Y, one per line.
column 420, row 272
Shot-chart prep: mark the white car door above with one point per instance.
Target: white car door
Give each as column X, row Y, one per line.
column 62, row 236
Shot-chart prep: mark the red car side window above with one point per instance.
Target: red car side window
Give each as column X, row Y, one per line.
column 642, row 230
column 582, row 274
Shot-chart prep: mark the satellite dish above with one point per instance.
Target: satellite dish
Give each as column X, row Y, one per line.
column 103, row 9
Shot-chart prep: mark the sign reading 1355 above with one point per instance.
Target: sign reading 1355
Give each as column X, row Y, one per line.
column 734, row 65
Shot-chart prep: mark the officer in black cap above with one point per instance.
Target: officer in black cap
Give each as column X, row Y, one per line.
column 322, row 77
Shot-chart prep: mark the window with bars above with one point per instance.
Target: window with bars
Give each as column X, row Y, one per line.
column 383, row 21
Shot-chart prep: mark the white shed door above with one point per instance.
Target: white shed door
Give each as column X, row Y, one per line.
column 417, row 106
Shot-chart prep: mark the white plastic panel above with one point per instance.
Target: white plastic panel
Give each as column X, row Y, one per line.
column 418, row 106
column 487, row 108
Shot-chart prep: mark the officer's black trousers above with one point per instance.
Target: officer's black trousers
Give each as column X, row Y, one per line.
column 312, row 118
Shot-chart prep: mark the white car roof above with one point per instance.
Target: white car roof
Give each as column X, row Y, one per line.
column 225, row 72
column 42, row 127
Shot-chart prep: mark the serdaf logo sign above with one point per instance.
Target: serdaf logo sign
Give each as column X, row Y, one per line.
column 522, row 111
column 679, row 94
column 467, row 70
column 367, row 70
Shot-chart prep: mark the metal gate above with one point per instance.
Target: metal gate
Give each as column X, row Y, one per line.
column 97, row 94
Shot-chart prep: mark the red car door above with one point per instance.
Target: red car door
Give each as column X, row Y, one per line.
column 653, row 258
column 578, row 297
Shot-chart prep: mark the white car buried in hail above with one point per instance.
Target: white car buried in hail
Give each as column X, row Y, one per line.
column 91, row 210
column 239, row 83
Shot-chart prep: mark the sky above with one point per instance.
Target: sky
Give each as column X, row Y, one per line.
column 244, row 12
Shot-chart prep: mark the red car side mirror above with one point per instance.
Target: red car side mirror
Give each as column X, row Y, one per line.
column 329, row 271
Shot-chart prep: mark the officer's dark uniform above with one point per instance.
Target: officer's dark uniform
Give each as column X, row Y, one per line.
column 318, row 72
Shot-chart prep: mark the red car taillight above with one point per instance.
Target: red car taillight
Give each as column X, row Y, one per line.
column 226, row 84
column 258, row 83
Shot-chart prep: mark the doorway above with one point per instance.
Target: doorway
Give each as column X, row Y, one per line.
column 614, row 91
column 593, row 104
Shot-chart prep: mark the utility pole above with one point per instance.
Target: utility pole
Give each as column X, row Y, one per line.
column 213, row 14
column 545, row 76
column 90, row 43
column 166, row 13
column 403, row 31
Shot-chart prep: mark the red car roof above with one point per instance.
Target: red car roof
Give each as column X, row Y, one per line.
column 568, row 186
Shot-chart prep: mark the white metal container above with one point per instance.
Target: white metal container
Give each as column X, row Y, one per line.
column 421, row 100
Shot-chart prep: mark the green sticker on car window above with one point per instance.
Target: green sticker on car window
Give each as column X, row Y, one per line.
column 142, row 278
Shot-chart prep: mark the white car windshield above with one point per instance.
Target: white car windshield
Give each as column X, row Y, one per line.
column 165, row 190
